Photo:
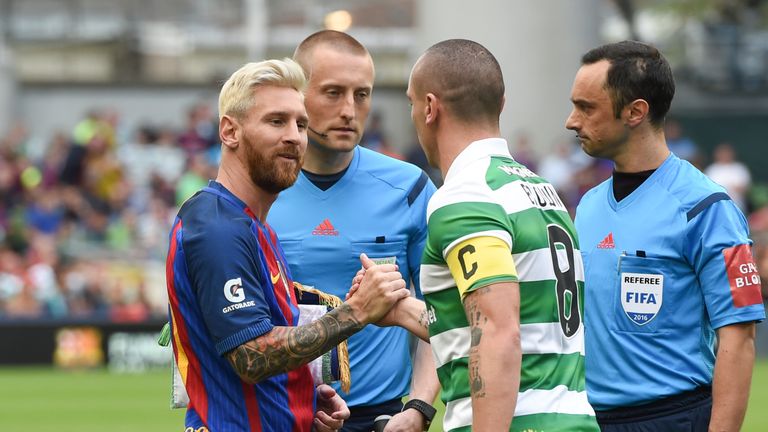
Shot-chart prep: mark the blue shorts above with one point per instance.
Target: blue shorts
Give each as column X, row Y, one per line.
column 361, row 417
column 685, row 412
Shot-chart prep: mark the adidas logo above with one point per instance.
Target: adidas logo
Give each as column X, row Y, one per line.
column 607, row 242
column 325, row 228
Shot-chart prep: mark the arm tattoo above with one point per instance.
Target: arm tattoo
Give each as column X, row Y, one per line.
column 476, row 323
column 286, row 348
column 424, row 318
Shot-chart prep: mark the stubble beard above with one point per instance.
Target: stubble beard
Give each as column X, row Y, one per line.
column 605, row 148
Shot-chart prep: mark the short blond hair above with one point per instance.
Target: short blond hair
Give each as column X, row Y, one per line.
column 236, row 96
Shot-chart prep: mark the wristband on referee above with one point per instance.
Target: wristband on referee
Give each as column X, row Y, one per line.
column 426, row 410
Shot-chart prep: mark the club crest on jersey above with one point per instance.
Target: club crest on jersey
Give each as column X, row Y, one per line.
column 641, row 296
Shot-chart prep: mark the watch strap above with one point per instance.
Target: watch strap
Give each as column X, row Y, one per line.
column 426, row 410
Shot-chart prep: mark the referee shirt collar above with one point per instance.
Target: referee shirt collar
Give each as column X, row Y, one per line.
column 478, row 150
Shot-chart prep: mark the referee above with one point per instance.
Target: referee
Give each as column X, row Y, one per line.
column 668, row 263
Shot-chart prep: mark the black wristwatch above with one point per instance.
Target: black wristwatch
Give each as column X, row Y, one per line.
column 426, row 410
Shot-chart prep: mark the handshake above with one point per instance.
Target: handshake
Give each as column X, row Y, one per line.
column 375, row 290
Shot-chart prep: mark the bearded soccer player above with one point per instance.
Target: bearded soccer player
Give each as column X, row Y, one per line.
column 234, row 315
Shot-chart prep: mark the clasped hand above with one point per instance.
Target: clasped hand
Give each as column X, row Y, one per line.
column 378, row 288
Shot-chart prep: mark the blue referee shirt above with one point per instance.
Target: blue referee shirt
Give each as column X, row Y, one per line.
column 378, row 207
column 664, row 268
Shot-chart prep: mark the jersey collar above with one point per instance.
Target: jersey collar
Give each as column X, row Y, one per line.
column 659, row 173
column 220, row 190
column 304, row 183
column 478, row 150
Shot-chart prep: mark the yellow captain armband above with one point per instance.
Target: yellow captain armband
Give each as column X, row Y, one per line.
column 480, row 261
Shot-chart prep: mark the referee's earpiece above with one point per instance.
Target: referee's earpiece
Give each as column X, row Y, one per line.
column 320, row 134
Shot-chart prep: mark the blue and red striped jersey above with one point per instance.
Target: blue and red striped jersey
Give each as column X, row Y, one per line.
column 227, row 284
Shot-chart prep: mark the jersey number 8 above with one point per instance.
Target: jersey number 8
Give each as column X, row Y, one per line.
column 567, row 290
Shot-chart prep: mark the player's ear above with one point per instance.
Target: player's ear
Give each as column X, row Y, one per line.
column 431, row 108
column 228, row 128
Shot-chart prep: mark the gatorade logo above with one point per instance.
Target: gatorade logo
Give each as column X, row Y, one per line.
column 233, row 290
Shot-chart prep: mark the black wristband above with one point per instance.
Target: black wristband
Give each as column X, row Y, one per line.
column 426, row 410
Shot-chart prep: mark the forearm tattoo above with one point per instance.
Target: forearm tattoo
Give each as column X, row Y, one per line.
column 286, row 348
column 423, row 319
column 477, row 322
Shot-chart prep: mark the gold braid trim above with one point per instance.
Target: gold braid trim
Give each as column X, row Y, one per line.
column 332, row 301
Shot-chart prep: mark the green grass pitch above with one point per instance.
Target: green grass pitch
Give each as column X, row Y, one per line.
column 47, row 400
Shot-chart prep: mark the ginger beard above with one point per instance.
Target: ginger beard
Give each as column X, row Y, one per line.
column 273, row 170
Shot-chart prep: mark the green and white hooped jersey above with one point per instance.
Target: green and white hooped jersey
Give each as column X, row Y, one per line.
column 488, row 194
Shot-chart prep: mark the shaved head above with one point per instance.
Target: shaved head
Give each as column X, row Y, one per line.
column 465, row 76
column 335, row 40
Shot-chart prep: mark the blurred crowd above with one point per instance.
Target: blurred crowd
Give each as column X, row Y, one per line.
column 84, row 226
